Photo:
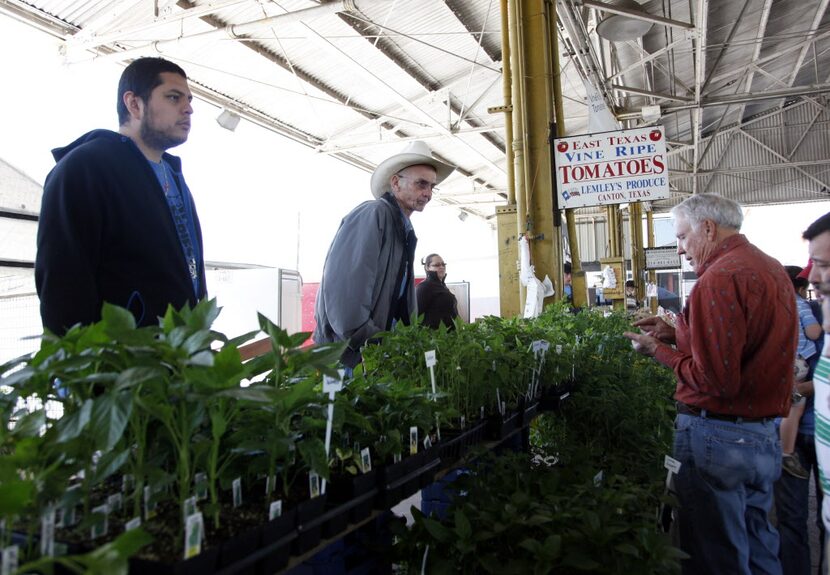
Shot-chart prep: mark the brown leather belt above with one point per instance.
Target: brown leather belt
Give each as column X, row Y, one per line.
column 684, row 409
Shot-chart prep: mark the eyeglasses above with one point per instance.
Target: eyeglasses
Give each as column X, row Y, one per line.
column 421, row 184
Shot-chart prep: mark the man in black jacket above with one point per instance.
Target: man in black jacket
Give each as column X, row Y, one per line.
column 117, row 221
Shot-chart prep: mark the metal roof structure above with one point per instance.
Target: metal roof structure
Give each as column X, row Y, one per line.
column 740, row 84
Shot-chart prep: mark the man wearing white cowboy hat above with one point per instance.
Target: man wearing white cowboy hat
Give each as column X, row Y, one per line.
column 368, row 278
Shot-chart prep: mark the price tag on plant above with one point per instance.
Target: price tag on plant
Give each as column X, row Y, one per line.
column 189, row 507
column 200, row 485
column 598, row 478
column 274, row 510
column 313, row 485
column 366, row 459
column 133, row 523
column 429, row 356
column 331, row 386
column 150, row 505
column 427, row 442
column 396, row 458
column 237, row 492
column 413, row 440
column 558, row 350
column 115, row 502
column 47, row 533
column 10, row 560
column 100, row 521
column 194, row 529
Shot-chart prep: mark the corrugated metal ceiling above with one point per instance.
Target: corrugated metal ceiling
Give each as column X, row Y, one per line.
column 741, row 90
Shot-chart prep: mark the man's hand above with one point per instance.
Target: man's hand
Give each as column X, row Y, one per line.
column 644, row 344
column 655, row 327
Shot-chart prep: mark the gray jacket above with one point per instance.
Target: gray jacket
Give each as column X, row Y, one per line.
column 358, row 295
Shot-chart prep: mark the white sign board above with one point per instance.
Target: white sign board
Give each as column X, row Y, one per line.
column 662, row 258
column 611, row 168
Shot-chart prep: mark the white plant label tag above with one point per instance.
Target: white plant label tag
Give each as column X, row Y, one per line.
column 429, row 356
column 274, row 510
column 413, row 440
column 270, row 484
column 396, row 458
column 564, row 395
column 47, row 533
column 10, row 560
column 193, row 534
column 481, row 412
column 149, row 505
column 427, row 442
column 671, row 464
column 558, row 350
column 332, row 384
column 463, row 422
column 598, row 478
column 189, row 507
column 237, row 492
column 366, row 460
column 498, row 401
column 101, row 521
column 200, row 483
column 133, row 523
column 115, row 502
column 313, row 485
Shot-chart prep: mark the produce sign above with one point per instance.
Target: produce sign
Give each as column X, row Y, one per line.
column 611, row 168
column 665, row 258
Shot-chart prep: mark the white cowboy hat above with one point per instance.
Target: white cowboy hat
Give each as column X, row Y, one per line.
column 416, row 153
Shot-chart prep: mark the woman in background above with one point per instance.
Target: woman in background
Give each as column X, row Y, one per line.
column 435, row 301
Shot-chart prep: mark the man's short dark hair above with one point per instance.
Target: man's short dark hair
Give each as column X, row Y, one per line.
column 629, row 284
column 818, row 227
column 141, row 77
column 567, row 267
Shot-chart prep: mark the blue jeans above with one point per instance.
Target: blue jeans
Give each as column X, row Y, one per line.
column 724, row 488
column 791, row 509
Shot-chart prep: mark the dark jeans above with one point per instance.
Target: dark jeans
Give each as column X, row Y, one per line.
column 792, row 511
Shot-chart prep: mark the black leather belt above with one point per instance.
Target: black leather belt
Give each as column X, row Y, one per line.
column 684, row 409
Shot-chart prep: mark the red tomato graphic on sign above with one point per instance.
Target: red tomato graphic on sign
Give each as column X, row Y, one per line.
column 562, row 147
column 654, row 135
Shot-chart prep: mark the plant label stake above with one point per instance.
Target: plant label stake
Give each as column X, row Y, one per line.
column 366, row 460
column 313, row 485
column 115, row 502
column 193, row 534
column 47, row 533
column 149, row 504
column 274, row 510
column 424, row 561
column 598, row 478
column 237, row 492
column 100, row 524
column 133, row 523
column 413, row 440
column 10, row 560
column 430, row 359
column 331, row 386
column 673, row 467
column 427, row 442
column 189, row 508
column 201, row 485
column 270, row 484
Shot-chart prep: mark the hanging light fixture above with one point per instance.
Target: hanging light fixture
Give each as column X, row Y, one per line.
column 228, row 120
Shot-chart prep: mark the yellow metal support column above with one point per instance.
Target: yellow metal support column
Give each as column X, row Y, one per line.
column 507, row 229
column 652, row 275
column 533, row 78
column 638, row 263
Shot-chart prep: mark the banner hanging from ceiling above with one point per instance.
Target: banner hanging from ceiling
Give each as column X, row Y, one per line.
column 611, row 167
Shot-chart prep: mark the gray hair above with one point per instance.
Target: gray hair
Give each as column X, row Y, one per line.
column 700, row 207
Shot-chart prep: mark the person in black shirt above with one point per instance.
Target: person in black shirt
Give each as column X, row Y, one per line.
column 435, row 301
